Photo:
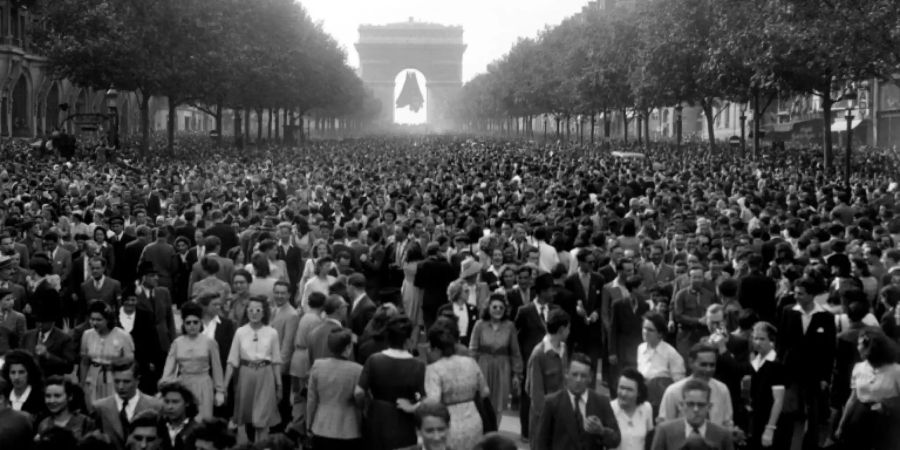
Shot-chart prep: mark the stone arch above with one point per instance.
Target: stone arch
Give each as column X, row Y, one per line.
column 434, row 50
column 21, row 107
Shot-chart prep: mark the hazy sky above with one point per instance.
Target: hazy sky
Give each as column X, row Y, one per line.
column 490, row 27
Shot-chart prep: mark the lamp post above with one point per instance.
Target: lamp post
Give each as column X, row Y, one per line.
column 743, row 132
column 112, row 107
column 849, row 118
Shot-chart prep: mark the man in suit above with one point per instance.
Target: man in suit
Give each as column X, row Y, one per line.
column 330, row 410
column 371, row 262
column 757, row 291
column 212, row 244
column 806, row 343
column 693, row 428
column 577, row 417
column 132, row 256
column 55, row 351
column 59, row 257
column 137, row 320
column 587, row 287
column 98, row 287
column 475, row 291
column 335, row 313
column 523, row 293
column 158, row 300
column 655, row 272
column 433, row 276
column 531, row 328
column 300, row 363
column 179, row 411
column 285, row 319
column 114, row 414
column 599, row 316
column 119, row 242
column 291, row 254
column 363, row 308
column 546, row 365
column 162, row 255
column 228, row 238
column 626, row 319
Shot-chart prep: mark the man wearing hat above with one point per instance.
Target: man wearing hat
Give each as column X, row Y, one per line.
column 476, row 292
column 157, row 299
column 56, row 352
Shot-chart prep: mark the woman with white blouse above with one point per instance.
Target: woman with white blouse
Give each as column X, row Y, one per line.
column 632, row 410
column 659, row 362
column 256, row 354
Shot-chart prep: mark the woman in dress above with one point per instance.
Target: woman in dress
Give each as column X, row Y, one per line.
column 870, row 284
column 237, row 304
column 768, row 429
column 23, row 373
column 65, row 403
column 101, row 346
column 658, row 361
column 194, row 361
column 412, row 295
column 321, row 282
column 496, row 348
column 263, row 280
column 374, row 336
column 870, row 416
column 256, row 356
column 632, row 410
column 456, row 381
column 387, row 377
column 320, row 250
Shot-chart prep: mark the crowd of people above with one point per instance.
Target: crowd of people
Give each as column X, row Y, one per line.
column 392, row 293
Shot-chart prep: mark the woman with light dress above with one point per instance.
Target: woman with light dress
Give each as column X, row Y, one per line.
column 256, row 357
column 263, row 283
column 496, row 348
column 101, row 346
column 455, row 381
column 412, row 295
column 632, row 410
column 320, row 250
column 659, row 362
column 194, row 361
column 320, row 282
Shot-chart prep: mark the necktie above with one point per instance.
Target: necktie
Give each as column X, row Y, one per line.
column 123, row 416
column 579, row 419
column 695, row 430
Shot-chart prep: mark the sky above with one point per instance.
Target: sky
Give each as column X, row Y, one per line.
column 490, row 27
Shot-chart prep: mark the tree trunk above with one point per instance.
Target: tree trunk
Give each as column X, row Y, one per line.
column 708, row 110
column 757, row 118
column 568, row 129
column 639, row 129
column 171, row 123
column 238, row 131
column 647, row 127
column 218, row 118
column 247, row 126
column 269, row 132
column 145, row 124
column 625, row 125
column 277, row 124
column 593, row 120
column 259, row 125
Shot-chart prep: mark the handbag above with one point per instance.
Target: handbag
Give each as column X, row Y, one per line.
column 487, row 413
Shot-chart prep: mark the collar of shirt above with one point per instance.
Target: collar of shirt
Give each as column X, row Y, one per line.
column 688, row 429
column 44, row 335
column 759, row 360
column 548, row 347
column 175, row 429
column 582, row 399
column 357, row 300
column 816, row 308
column 132, row 405
column 100, row 281
column 334, row 321
column 18, row 401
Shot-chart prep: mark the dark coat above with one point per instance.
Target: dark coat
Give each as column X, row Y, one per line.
column 808, row 357
column 558, row 429
column 62, row 351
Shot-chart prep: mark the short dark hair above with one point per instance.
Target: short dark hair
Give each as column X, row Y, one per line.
column 316, row 300
column 339, row 340
column 124, row 366
column 147, row 418
column 696, row 384
column 495, row 441
column 728, row 287
column 431, row 408
column 215, row 431
column 699, row 348
column 557, row 319
column 243, row 273
column 333, row 303
column 632, row 374
column 209, row 265
column 191, row 408
column 658, row 321
column 581, row 358
column 879, row 349
column 398, row 330
column 357, row 280
column 441, row 338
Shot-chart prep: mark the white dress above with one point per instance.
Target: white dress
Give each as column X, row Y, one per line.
column 633, row 429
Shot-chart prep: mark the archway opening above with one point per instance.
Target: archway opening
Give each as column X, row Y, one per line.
column 21, row 126
column 410, row 98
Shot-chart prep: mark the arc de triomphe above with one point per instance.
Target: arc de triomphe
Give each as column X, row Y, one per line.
column 433, row 49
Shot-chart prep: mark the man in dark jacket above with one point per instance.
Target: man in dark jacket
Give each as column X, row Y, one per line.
column 433, row 276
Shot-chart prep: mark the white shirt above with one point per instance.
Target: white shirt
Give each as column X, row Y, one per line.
column 175, row 429
column 472, row 299
column 17, row 401
column 758, row 360
column 660, row 361
column 548, row 347
column 689, row 430
column 634, row 428
column 209, row 329
column 806, row 317
column 547, row 257
column 462, row 314
column 132, row 405
column 126, row 321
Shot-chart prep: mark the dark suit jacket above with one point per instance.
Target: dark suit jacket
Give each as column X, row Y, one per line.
column 625, row 330
column 433, row 276
column 671, row 436
column 187, row 231
column 530, row 327
column 318, row 340
column 107, row 416
column 293, row 261
column 361, row 315
column 558, row 429
column 146, row 347
column 808, row 357
column 164, row 318
column 162, row 256
column 224, row 336
column 129, row 261
column 182, row 439
column 62, row 351
column 119, row 251
column 226, row 234
column 109, row 292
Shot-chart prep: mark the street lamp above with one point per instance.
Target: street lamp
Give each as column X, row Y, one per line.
column 112, row 107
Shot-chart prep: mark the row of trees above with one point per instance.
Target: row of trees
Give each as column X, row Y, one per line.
column 665, row 53
column 260, row 55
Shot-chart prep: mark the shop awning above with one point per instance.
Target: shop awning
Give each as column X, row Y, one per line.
column 840, row 125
